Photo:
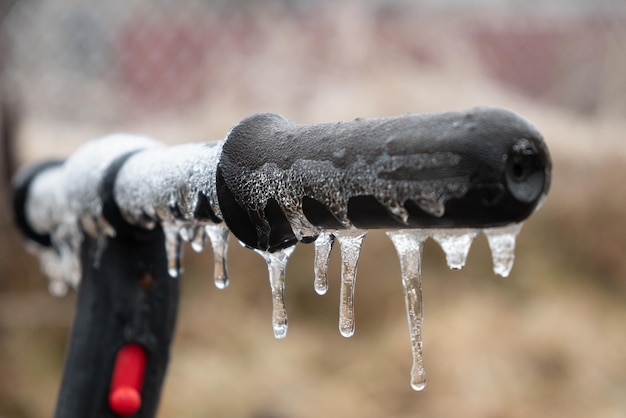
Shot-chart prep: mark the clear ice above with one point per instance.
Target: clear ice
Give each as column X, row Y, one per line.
column 85, row 169
column 172, row 179
column 502, row 244
column 455, row 244
column 276, row 266
column 323, row 246
column 350, row 242
column 409, row 245
column 198, row 239
column 173, row 249
column 218, row 234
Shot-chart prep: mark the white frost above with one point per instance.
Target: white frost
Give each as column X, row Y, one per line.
column 163, row 184
column 84, row 171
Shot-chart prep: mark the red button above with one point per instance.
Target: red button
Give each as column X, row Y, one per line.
column 127, row 380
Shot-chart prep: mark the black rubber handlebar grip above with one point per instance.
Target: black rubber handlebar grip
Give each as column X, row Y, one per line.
column 279, row 182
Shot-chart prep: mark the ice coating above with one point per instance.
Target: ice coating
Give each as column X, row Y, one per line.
column 48, row 213
column 47, row 203
column 276, row 265
column 352, row 176
column 502, row 244
column 64, row 202
column 177, row 188
column 350, row 242
column 84, row 171
column 455, row 243
column 54, row 267
column 323, row 246
column 472, row 168
column 409, row 245
column 171, row 185
column 319, row 180
column 172, row 182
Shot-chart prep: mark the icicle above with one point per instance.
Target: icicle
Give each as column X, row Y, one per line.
column 409, row 245
column 456, row 244
column 70, row 264
column 199, row 238
column 187, row 232
column 218, row 234
column 276, row 265
column 67, row 241
column 350, row 242
column 323, row 246
column 53, row 269
column 57, row 287
column 172, row 249
column 502, row 245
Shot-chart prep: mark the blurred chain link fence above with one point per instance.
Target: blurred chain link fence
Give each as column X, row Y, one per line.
column 102, row 62
column 99, row 61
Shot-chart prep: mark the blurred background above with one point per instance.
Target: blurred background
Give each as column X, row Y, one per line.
column 549, row 341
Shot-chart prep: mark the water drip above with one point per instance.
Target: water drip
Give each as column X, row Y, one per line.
column 350, row 242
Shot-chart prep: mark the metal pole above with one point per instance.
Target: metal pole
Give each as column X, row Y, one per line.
column 128, row 298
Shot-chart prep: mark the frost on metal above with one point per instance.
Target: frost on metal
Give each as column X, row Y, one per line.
column 334, row 187
column 177, row 188
column 48, row 213
column 84, row 172
column 168, row 184
column 65, row 203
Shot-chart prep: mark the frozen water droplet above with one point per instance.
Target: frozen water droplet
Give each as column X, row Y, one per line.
column 350, row 242
column 276, row 265
column 57, row 287
column 52, row 267
column 199, row 239
column 67, row 239
column 173, row 249
column 409, row 245
column 187, row 232
column 502, row 244
column 218, row 234
column 323, row 246
column 399, row 211
column 455, row 244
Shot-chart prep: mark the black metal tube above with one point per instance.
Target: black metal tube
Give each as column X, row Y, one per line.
column 278, row 181
column 128, row 298
column 21, row 185
column 125, row 296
